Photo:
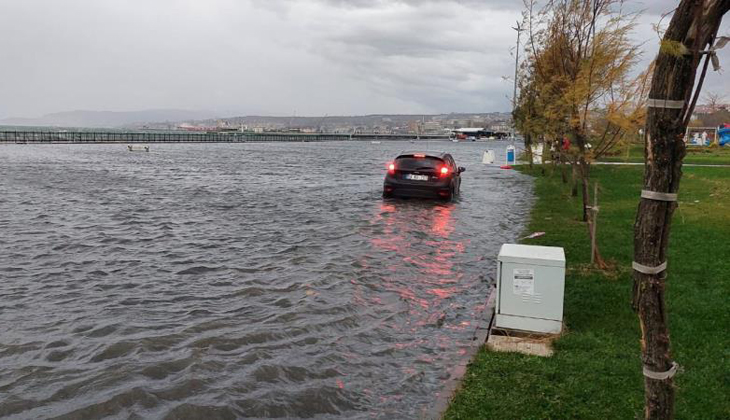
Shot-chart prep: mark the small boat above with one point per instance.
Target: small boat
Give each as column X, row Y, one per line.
column 138, row 148
column 374, row 142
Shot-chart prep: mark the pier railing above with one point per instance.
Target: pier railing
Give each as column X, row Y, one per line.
column 24, row 137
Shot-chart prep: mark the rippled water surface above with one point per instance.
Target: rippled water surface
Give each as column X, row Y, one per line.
column 239, row 280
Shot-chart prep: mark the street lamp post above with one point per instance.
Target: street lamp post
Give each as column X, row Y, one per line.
column 518, row 28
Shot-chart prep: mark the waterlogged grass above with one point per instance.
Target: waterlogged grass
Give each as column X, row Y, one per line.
column 596, row 369
column 714, row 155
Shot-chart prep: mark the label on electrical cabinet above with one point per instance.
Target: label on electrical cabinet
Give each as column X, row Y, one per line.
column 523, row 281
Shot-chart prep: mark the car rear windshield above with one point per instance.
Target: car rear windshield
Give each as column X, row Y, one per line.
column 414, row 164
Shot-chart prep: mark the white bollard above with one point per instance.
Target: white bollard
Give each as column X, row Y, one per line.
column 488, row 157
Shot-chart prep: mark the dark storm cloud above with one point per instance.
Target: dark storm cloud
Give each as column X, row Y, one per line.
column 486, row 4
column 451, row 55
column 267, row 56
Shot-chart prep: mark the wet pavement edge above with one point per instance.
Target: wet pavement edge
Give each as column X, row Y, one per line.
column 481, row 333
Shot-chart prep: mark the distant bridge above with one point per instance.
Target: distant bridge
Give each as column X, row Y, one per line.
column 80, row 137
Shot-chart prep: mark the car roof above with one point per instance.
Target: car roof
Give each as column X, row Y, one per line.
column 431, row 153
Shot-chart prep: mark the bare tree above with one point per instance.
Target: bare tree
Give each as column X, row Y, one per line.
column 692, row 29
column 713, row 100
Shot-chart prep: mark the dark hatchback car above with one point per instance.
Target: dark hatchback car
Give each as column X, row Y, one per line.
column 423, row 174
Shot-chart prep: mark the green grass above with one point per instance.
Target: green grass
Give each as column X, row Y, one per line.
column 596, row 369
column 714, row 155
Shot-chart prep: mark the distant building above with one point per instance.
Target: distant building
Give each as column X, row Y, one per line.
column 501, row 126
column 432, row 127
column 414, row 126
column 709, row 109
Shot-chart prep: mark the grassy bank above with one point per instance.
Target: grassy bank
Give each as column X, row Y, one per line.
column 596, row 370
column 696, row 155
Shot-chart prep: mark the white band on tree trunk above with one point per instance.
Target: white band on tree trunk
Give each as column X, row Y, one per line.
column 658, row 196
column 662, row 376
column 649, row 270
column 664, row 103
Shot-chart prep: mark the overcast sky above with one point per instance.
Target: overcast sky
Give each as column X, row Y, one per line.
column 275, row 57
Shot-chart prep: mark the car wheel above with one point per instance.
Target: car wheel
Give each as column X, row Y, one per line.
column 448, row 196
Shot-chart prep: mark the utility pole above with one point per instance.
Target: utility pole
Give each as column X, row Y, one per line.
column 518, row 28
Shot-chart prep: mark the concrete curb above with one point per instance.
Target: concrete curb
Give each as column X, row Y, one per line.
column 456, row 376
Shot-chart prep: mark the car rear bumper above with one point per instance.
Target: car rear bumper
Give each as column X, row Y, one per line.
column 402, row 189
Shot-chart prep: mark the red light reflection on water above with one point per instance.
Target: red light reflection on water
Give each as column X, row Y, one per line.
column 442, row 223
column 420, row 235
column 413, row 271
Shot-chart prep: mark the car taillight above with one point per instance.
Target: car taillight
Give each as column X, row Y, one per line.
column 391, row 168
column 444, row 171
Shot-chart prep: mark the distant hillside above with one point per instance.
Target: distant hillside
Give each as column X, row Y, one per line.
column 170, row 118
column 358, row 120
column 109, row 119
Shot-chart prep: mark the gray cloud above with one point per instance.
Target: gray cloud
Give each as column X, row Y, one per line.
column 264, row 56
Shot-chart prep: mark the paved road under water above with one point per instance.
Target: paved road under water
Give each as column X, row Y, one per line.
column 239, row 280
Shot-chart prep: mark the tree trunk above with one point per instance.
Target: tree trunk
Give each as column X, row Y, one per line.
column 528, row 148
column 694, row 24
column 583, row 168
column 574, row 179
column 563, row 166
column 584, row 178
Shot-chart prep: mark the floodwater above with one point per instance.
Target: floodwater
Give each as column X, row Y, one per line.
column 239, row 280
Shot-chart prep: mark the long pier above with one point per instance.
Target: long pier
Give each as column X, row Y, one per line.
column 77, row 137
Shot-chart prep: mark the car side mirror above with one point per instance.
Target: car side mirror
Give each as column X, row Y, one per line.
column 462, row 169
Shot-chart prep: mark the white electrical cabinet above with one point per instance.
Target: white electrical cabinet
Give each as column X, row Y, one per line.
column 530, row 286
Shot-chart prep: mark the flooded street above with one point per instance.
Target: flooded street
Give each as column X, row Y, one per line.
column 239, row 280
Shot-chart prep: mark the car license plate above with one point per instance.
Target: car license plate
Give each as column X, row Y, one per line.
column 417, row 177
